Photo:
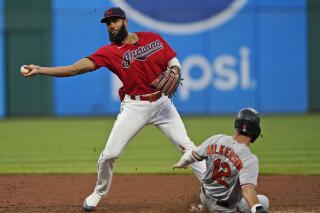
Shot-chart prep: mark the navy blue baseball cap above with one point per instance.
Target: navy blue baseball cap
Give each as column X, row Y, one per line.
column 113, row 12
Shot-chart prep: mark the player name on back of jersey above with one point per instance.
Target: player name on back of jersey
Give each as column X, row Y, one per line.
column 141, row 53
column 226, row 151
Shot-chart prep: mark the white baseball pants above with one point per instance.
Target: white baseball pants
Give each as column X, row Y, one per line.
column 133, row 116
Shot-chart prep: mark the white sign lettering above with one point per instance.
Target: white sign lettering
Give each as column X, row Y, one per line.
column 222, row 74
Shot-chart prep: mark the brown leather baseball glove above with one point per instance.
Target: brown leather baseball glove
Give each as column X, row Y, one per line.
column 167, row 82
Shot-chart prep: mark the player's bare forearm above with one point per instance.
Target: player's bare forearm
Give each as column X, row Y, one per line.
column 63, row 71
column 250, row 194
column 82, row 66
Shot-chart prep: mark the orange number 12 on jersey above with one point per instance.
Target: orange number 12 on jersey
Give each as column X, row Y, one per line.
column 218, row 175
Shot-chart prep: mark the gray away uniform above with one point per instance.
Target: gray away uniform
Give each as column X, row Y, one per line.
column 229, row 165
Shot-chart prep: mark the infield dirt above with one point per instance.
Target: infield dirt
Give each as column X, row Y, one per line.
column 143, row 193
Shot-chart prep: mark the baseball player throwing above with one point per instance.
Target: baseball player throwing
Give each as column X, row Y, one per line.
column 232, row 171
column 150, row 73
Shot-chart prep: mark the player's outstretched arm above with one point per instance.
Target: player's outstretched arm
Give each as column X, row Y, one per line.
column 82, row 66
column 184, row 161
column 250, row 194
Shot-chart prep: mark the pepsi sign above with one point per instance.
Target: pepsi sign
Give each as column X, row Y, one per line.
column 181, row 17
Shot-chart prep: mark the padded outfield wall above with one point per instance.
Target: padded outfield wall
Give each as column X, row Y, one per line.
column 234, row 54
column 27, row 40
column 2, row 76
column 313, row 54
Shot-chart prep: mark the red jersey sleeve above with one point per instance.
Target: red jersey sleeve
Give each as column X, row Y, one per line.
column 99, row 58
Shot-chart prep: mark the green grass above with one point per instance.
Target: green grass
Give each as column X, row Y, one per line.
column 72, row 145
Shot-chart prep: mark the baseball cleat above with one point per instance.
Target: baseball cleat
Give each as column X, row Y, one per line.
column 91, row 202
column 88, row 208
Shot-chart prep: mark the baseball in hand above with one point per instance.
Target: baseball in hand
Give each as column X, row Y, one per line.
column 24, row 70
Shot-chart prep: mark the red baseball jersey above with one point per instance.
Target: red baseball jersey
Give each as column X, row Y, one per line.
column 138, row 64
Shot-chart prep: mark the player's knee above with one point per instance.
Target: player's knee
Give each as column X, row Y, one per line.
column 264, row 200
column 107, row 155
